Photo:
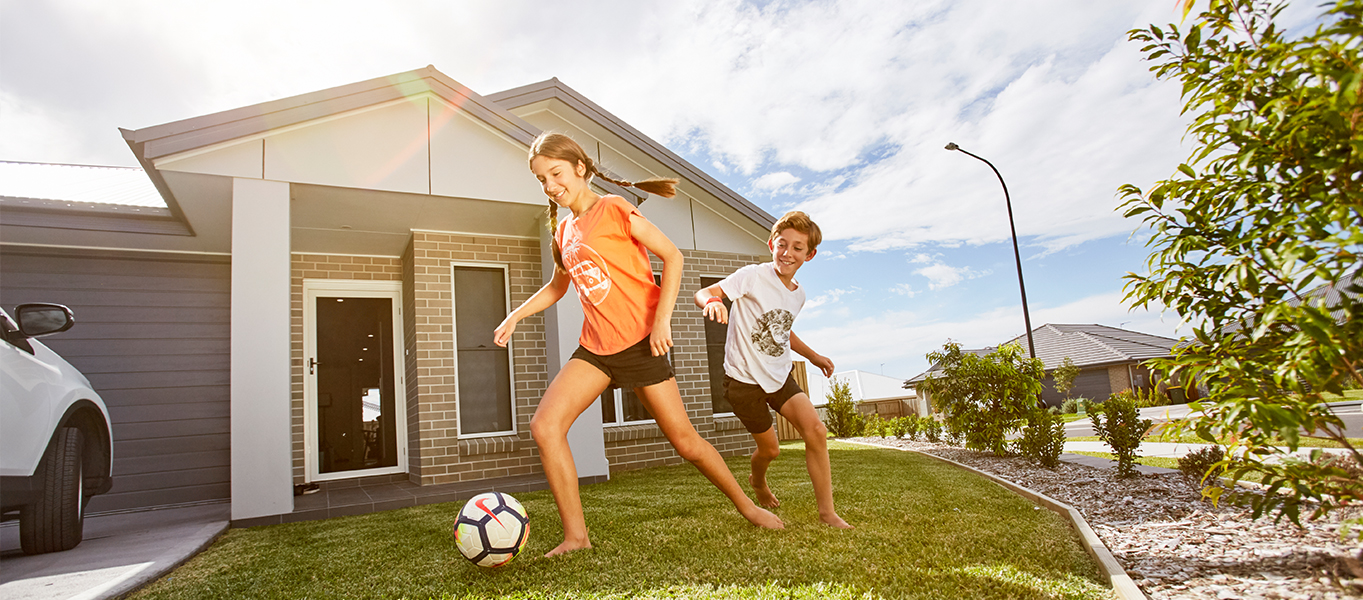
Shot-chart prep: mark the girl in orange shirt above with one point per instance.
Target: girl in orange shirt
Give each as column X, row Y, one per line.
column 627, row 331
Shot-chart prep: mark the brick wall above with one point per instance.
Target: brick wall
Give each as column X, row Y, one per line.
column 321, row 266
column 441, row 456
column 1119, row 378
column 631, row 447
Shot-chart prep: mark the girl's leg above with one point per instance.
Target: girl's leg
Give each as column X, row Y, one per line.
column 664, row 401
column 574, row 389
column 801, row 413
column 768, row 448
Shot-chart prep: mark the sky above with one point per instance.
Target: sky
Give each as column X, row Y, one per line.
column 839, row 109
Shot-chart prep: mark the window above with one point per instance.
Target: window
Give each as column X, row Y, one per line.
column 715, row 335
column 483, row 367
column 619, row 406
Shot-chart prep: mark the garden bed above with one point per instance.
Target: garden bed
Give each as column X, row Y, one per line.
column 1175, row 545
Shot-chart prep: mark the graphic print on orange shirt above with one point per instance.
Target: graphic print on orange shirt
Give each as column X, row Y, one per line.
column 588, row 271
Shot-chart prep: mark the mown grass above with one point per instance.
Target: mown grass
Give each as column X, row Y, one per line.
column 925, row 529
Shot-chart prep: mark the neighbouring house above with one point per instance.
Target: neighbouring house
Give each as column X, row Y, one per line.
column 1110, row 360
column 882, row 395
column 304, row 291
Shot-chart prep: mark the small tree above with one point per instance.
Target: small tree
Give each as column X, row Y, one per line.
column 1064, row 376
column 984, row 398
column 1268, row 208
column 843, row 420
column 1119, row 424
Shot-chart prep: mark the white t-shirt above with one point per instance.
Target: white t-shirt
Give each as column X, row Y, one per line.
column 757, row 350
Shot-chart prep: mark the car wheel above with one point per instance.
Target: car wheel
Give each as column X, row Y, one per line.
column 54, row 521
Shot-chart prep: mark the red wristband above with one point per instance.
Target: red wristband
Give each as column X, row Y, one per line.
column 713, row 299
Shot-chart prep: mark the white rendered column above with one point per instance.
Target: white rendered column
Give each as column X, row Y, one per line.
column 562, row 326
column 262, row 469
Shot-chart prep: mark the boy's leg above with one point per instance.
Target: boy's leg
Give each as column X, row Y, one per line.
column 801, row 413
column 572, row 391
column 664, row 402
column 768, row 448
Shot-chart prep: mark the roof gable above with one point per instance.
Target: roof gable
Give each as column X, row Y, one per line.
column 553, row 89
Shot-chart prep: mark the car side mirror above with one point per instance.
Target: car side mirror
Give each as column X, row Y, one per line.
column 40, row 319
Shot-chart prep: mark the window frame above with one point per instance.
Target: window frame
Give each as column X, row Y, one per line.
column 510, row 349
column 716, row 387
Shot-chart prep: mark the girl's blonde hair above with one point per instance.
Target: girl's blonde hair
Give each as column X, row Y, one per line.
column 562, row 147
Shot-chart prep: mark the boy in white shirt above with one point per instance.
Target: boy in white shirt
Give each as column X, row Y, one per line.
column 757, row 362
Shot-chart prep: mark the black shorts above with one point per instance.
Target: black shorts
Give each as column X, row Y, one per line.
column 633, row 367
column 750, row 401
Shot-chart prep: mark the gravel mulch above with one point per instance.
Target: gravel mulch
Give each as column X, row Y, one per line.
column 1176, row 545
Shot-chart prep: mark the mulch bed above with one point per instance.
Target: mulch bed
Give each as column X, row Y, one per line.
column 1175, row 544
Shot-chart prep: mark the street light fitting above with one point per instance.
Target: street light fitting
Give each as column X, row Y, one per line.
column 952, row 146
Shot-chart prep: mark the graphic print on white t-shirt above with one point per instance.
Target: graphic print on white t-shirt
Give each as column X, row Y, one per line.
column 771, row 334
column 588, row 271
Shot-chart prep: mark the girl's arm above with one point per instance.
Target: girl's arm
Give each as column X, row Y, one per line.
column 546, row 297
column 822, row 362
column 660, row 341
column 714, row 311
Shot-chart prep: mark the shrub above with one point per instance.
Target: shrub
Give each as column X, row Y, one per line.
column 1070, row 406
column 1043, row 439
column 1203, row 467
column 984, row 398
column 1145, row 397
column 932, row 429
column 1064, row 376
column 843, row 420
column 1119, row 424
column 874, row 426
column 901, row 427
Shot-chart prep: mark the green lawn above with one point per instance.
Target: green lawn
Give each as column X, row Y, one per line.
column 924, row 530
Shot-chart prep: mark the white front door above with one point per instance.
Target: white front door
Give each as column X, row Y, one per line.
column 355, row 421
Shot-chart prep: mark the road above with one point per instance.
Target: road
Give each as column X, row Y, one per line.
column 1350, row 412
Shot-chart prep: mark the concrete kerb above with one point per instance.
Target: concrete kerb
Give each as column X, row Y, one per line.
column 1123, row 587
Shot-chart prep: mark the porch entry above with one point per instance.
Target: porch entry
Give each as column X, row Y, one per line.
column 353, row 378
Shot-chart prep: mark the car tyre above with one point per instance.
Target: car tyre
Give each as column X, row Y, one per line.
column 55, row 520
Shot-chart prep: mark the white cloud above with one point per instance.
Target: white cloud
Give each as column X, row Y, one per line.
column 941, row 275
column 904, row 289
column 828, row 297
column 775, row 183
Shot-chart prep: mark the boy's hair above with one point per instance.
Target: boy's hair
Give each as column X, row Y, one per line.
column 562, row 147
column 799, row 222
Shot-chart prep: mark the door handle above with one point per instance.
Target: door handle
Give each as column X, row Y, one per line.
column 312, row 366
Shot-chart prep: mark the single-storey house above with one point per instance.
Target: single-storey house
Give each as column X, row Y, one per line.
column 1110, row 360
column 882, row 395
column 312, row 299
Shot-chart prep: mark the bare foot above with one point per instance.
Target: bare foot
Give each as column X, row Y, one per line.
column 569, row 546
column 762, row 517
column 764, row 495
column 834, row 520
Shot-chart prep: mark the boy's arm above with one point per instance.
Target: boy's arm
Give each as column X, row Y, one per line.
column 713, row 310
column 822, row 362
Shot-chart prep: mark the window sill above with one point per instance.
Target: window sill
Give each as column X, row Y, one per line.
column 623, row 433
column 488, row 445
column 727, row 423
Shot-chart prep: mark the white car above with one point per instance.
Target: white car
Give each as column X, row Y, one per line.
column 56, row 446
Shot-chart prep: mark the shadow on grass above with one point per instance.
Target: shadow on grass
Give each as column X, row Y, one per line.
column 924, row 530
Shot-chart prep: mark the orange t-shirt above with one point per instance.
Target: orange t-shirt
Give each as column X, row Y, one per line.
column 610, row 270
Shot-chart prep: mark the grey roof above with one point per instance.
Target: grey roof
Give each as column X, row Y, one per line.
column 1349, row 286
column 935, row 368
column 553, row 88
column 1094, row 345
column 1086, row 345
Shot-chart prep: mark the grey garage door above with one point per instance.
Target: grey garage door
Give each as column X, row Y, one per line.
column 152, row 335
column 1090, row 383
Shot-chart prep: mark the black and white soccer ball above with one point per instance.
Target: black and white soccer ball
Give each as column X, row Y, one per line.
column 492, row 529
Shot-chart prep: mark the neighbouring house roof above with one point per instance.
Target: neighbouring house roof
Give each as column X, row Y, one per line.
column 937, row 368
column 1087, row 345
column 1350, row 286
column 1094, row 345
column 871, row 386
column 555, row 89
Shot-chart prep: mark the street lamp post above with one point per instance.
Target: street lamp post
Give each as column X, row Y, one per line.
column 1027, row 320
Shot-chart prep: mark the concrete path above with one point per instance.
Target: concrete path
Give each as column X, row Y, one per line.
column 1166, row 450
column 1348, row 411
column 119, row 553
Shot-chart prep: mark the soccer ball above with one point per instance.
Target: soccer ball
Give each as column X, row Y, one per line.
column 492, row 529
